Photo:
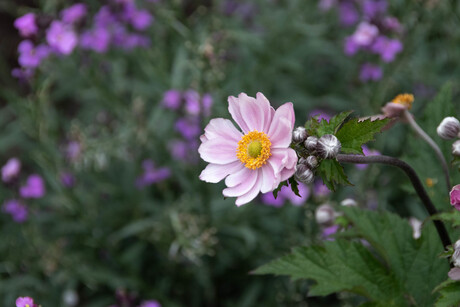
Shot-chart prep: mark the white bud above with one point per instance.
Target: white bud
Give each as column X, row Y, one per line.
column 328, row 146
column 325, row 215
column 416, row 227
column 310, row 143
column 456, row 254
column 448, row 128
column 311, row 162
column 304, row 174
column 70, row 298
column 299, row 135
column 349, row 202
column 456, row 148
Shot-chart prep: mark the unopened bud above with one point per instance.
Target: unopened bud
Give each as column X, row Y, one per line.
column 304, row 174
column 448, row 128
column 456, row 254
column 325, row 215
column 310, row 143
column 311, row 162
column 299, row 135
column 456, row 148
column 328, row 146
column 349, row 202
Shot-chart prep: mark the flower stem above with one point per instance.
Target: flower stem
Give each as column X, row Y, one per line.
column 416, row 183
column 432, row 144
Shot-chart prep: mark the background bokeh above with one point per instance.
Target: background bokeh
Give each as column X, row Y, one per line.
column 105, row 112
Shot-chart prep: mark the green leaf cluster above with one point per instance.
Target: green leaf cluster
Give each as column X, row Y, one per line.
column 387, row 269
column 332, row 173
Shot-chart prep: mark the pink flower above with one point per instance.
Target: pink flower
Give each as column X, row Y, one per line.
column 25, row 302
column 256, row 160
column 11, row 169
column 26, row 25
column 455, row 196
column 61, row 37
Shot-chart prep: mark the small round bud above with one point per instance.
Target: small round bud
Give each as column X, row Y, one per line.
column 456, row 148
column 349, row 202
column 70, row 297
column 456, row 254
column 304, row 174
column 311, row 162
column 328, row 146
column 325, row 215
column 448, row 128
column 299, row 135
column 310, row 143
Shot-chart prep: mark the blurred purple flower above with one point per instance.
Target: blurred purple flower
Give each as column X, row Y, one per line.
column 348, row 13
column 152, row 175
column 387, row 48
column 192, row 102
column 104, row 17
column 320, row 189
column 11, row 169
column 189, row 128
column 67, row 179
column 350, row 46
column 365, row 34
column 392, row 24
column 207, row 102
column 23, row 74
column 141, row 19
column 26, row 25
column 34, row 188
column 321, row 114
column 172, row 99
column 73, row 150
column 328, row 232
column 31, row 56
column 286, row 194
column 61, row 37
column 367, row 152
column 178, row 149
column 370, row 72
column 150, row 303
column 97, row 39
column 134, row 40
column 74, row 13
column 372, row 8
column 17, row 210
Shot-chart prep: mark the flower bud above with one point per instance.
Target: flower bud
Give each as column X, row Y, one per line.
column 310, row 143
column 304, row 174
column 456, row 148
column 299, row 135
column 455, row 197
column 311, row 162
column 325, row 215
column 349, row 202
column 448, row 128
column 328, row 146
column 456, row 255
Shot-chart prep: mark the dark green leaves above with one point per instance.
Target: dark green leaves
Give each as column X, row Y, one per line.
column 324, row 127
column 290, row 182
column 355, row 133
column 332, row 174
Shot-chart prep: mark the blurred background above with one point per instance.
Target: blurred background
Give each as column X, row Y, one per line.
column 101, row 107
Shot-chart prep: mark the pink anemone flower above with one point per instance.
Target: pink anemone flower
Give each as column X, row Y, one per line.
column 256, row 159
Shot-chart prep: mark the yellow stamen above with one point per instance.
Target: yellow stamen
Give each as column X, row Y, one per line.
column 254, row 149
column 430, row 182
column 404, row 99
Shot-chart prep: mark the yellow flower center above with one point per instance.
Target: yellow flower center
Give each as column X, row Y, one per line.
column 254, row 149
column 404, row 99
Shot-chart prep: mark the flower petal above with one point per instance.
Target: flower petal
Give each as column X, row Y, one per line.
column 251, row 194
column 242, row 188
column 218, row 151
column 216, row 172
column 269, row 181
column 238, row 177
column 267, row 109
column 220, row 127
column 280, row 132
column 235, row 111
column 282, row 158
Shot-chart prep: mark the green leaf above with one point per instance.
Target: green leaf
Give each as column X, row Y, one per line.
column 354, row 133
column 450, row 295
column 294, row 186
column 312, row 125
column 332, row 173
column 338, row 266
column 450, row 217
column 333, row 125
column 276, row 191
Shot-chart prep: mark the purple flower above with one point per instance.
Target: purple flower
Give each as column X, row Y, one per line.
column 320, row 114
column 320, row 189
column 387, row 48
column 192, row 102
column 67, row 179
column 370, row 72
column 455, row 197
column 350, row 46
column 372, row 8
column 26, row 25
column 25, row 302
column 73, row 150
column 30, row 56
column 150, row 303
column 392, row 24
column 34, row 188
column 97, row 39
column 286, row 194
column 365, row 34
column 11, row 169
column 367, row 152
column 152, row 175
column 329, row 231
column 17, row 210
column 178, row 149
column 172, row 99
column 189, row 128
column 104, row 17
column 207, row 102
column 61, row 37
column 348, row 13
column 141, row 19
column 23, row 74
column 74, row 13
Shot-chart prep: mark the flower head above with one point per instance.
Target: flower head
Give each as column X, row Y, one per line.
column 16, row 209
column 150, row 303
column 11, row 169
column 74, row 13
column 26, row 25
column 61, row 37
column 405, row 100
column 34, row 188
column 256, row 159
column 25, row 302
column 398, row 105
column 455, row 197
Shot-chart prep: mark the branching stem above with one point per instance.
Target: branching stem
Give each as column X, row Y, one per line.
column 416, row 183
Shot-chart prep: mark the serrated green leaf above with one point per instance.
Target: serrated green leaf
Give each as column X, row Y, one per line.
column 312, row 125
column 320, row 128
column 332, row 174
column 294, row 186
column 338, row 266
column 354, row 133
column 450, row 296
column 278, row 189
